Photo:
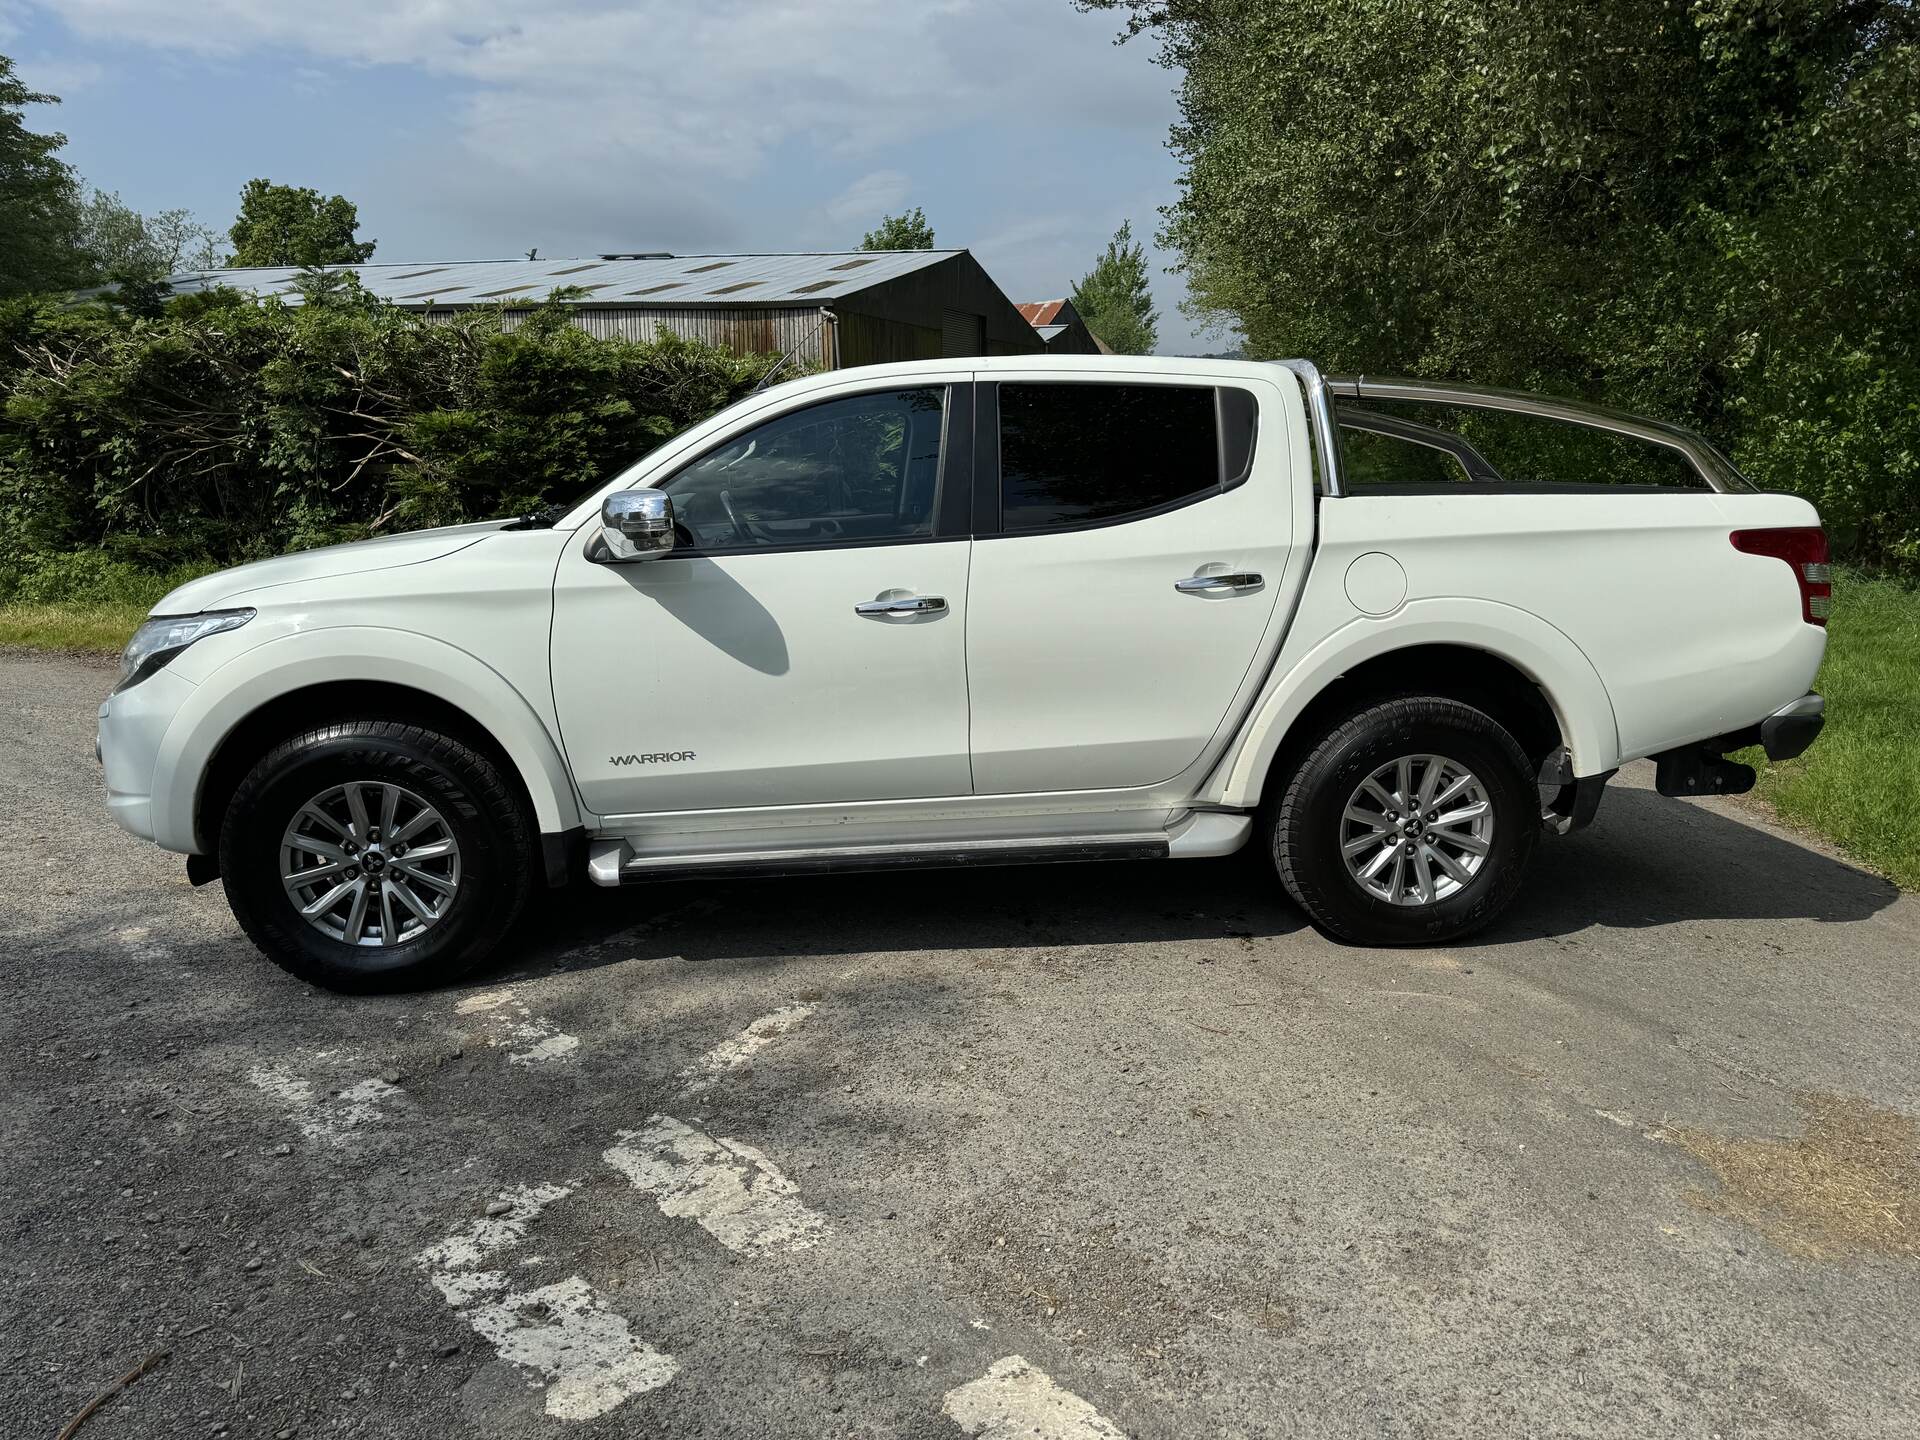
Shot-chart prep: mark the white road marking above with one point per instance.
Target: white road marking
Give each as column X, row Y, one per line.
column 590, row 1358
column 713, row 1066
column 1015, row 1400
column 486, row 1000
column 495, row 1232
column 539, row 1038
column 735, row 1193
column 588, row 1354
column 333, row 1119
column 548, row 1042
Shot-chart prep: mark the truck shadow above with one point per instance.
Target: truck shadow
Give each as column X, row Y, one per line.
column 1646, row 862
column 1649, row 861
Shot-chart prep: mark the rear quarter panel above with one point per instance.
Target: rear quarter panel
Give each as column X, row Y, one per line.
column 1689, row 638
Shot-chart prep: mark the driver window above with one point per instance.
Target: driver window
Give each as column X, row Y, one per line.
column 865, row 467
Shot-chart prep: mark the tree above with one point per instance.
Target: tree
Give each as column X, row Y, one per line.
column 39, row 198
column 123, row 244
column 908, row 231
column 1704, row 211
column 1114, row 300
column 293, row 225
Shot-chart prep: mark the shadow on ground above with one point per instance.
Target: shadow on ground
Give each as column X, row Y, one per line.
column 1648, row 862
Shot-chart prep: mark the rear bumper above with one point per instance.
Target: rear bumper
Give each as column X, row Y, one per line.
column 1701, row 770
column 1792, row 728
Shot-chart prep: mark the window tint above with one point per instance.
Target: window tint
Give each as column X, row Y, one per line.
column 1371, row 461
column 1535, row 450
column 1073, row 454
column 866, row 467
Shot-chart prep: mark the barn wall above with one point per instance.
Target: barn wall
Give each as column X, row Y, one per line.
column 869, row 340
column 923, row 299
column 756, row 331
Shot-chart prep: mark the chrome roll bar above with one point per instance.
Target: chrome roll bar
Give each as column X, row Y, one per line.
column 1326, row 433
column 1715, row 469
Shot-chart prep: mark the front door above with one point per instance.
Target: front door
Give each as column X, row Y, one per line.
column 1118, row 610
column 778, row 655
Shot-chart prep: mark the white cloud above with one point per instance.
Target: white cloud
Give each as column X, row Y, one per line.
column 715, row 86
column 64, row 78
column 581, row 125
column 867, row 199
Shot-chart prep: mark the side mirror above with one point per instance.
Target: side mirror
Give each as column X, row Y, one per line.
column 636, row 525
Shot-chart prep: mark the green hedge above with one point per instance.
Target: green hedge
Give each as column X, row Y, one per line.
column 217, row 429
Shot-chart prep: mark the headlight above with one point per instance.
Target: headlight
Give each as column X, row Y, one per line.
column 156, row 642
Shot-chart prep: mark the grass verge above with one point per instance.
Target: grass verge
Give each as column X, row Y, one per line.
column 1856, row 786
column 69, row 627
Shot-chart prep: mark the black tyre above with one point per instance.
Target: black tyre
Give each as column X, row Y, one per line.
column 373, row 854
column 1368, row 866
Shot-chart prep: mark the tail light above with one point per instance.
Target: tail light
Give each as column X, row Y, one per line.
column 1805, row 549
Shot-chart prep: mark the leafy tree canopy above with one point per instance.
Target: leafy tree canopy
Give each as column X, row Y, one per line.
column 39, row 198
column 1704, row 209
column 294, row 225
column 909, row 231
column 1114, row 300
column 121, row 243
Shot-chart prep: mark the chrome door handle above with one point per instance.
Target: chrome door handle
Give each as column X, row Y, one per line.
column 1239, row 583
column 902, row 605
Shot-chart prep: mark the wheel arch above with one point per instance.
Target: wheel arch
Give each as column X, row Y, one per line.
column 267, row 693
column 1535, row 679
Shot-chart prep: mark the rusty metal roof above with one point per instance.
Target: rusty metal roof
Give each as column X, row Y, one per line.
column 657, row 280
column 1040, row 312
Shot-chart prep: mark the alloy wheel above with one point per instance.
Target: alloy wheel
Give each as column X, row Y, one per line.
column 1417, row 830
column 371, row 864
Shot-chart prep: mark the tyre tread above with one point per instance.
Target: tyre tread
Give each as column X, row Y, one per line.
column 1288, row 848
column 490, row 791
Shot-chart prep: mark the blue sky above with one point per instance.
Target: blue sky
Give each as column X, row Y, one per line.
column 473, row 128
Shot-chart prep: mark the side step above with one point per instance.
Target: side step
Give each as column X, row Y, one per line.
column 614, row 861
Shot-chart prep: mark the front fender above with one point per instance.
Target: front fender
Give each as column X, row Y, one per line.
column 1567, row 679
column 296, row 661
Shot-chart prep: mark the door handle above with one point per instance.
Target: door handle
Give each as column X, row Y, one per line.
column 1238, row 584
column 902, row 605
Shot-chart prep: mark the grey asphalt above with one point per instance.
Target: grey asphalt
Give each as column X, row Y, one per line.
column 1212, row 1173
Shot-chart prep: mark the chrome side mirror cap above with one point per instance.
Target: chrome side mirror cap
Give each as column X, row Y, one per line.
column 635, row 525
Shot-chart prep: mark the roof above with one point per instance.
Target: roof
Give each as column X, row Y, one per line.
column 643, row 281
column 1040, row 312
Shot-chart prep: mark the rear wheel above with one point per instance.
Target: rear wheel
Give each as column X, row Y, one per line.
column 1411, row 823
column 371, row 854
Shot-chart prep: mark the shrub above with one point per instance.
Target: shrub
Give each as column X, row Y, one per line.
column 222, row 429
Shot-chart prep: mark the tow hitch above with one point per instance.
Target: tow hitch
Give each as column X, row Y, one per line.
column 1703, row 769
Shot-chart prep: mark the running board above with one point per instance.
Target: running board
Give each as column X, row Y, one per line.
column 612, row 862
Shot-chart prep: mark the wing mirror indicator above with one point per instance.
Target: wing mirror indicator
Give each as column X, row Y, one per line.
column 636, row 525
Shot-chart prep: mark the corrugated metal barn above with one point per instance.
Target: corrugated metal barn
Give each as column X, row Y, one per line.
column 831, row 310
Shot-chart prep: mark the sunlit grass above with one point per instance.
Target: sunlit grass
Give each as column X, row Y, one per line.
column 69, row 627
column 1860, row 783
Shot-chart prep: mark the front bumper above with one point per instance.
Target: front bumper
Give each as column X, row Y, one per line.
column 132, row 725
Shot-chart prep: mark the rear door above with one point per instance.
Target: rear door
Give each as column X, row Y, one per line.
column 1132, row 536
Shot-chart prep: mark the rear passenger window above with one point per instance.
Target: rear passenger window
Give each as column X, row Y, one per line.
column 1082, row 454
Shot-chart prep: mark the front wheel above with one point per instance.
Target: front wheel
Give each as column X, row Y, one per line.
column 373, row 854
column 1410, row 824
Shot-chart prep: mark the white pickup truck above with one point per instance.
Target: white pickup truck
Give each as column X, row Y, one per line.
column 984, row 612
